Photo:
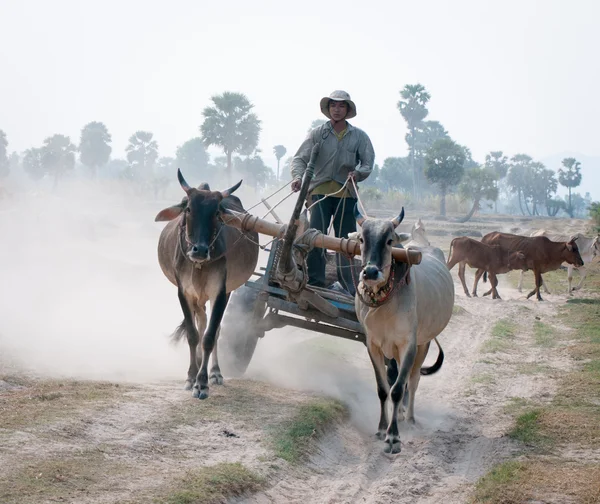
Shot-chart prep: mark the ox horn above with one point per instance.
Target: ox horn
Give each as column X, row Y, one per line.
column 396, row 221
column 182, row 181
column 358, row 216
column 231, row 190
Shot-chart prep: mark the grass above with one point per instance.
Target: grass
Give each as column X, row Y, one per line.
column 54, row 479
column 31, row 402
column 571, row 419
column 543, row 334
column 484, row 379
column 214, row 485
column 503, row 331
column 527, row 429
column 292, row 439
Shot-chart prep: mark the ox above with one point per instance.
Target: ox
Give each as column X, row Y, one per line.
column 196, row 253
column 541, row 253
column 491, row 258
column 589, row 247
column 401, row 310
column 418, row 236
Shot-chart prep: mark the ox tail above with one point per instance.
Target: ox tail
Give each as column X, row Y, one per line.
column 437, row 365
column 485, row 276
column 186, row 328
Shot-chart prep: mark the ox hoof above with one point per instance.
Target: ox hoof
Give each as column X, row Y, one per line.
column 411, row 421
column 188, row 385
column 392, row 446
column 200, row 393
column 215, row 379
column 380, row 435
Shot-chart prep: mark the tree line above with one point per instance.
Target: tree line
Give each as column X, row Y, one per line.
column 435, row 164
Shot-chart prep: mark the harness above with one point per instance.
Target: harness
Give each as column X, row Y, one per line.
column 376, row 299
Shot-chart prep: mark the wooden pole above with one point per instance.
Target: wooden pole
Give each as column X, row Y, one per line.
column 248, row 222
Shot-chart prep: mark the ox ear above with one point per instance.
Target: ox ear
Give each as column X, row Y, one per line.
column 168, row 214
column 204, row 186
column 357, row 215
column 184, row 185
column 397, row 220
column 231, row 190
column 402, row 237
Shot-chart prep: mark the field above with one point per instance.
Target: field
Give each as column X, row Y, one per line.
column 92, row 406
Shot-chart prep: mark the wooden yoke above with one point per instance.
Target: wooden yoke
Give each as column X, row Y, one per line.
column 248, row 222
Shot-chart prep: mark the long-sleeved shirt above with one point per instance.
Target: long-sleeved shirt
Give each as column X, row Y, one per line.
column 337, row 158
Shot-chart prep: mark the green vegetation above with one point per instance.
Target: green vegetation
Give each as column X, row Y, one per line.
column 292, row 438
column 502, row 333
column 214, row 485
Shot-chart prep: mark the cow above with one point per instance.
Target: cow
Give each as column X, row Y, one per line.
column 589, row 247
column 418, row 236
column 401, row 309
column 541, row 253
column 206, row 260
column 491, row 258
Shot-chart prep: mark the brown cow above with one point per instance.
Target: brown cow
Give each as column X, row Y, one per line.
column 491, row 258
column 542, row 254
column 206, row 260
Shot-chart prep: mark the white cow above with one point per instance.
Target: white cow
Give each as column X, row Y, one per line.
column 589, row 247
column 401, row 308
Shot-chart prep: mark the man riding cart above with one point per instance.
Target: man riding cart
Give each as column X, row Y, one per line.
column 345, row 157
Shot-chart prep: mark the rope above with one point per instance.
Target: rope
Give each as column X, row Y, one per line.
column 271, row 195
column 329, row 195
column 358, row 198
column 278, row 203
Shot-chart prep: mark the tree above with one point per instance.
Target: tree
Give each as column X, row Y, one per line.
column 142, row 153
column 543, row 186
column 315, row 124
column 413, row 109
column 498, row 163
column 32, row 163
column 4, row 163
column 279, row 151
column 231, row 125
column 58, row 156
column 193, row 159
column 396, row 174
column 570, row 176
column 445, row 166
column 253, row 169
column 519, row 178
column 478, row 184
column 94, row 146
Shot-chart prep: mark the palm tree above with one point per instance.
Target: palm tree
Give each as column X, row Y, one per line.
column 279, row 151
column 570, row 176
column 142, row 152
column 414, row 111
column 231, row 125
column 315, row 124
column 94, row 146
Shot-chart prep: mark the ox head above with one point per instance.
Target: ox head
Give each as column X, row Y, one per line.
column 377, row 237
column 201, row 209
column 571, row 254
column 418, row 234
column 517, row 261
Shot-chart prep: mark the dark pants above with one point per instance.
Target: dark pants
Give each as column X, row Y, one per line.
column 343, row 223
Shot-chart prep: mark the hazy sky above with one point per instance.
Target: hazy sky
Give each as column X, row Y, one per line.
column 518, row 76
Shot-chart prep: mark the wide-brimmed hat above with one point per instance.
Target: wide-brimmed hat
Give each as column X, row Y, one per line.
column 338, row 96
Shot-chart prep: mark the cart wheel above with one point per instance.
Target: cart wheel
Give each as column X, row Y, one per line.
column 239, row 332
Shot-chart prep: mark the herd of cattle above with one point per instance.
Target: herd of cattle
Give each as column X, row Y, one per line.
column 401, row 308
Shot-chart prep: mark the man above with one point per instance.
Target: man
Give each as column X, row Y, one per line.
column 346, row 153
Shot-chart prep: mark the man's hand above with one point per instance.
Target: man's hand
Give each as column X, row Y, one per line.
column 296, row 184
column 352, row 176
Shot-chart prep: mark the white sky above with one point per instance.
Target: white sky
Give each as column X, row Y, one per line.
column 518, row 76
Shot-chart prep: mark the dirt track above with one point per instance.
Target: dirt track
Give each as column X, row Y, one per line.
column 150, row 430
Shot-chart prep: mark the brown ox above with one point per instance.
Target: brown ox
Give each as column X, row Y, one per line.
column 542, row 254
column 491, row 258
column 205, row 260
